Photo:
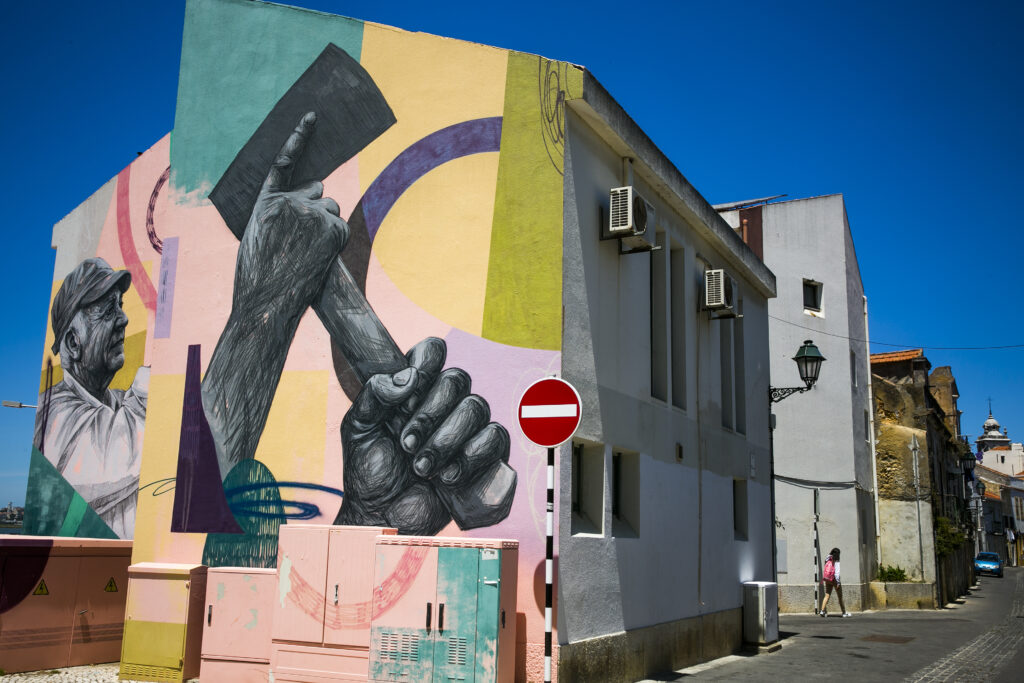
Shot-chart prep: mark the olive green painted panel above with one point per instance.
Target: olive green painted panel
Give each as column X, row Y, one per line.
column 523, row 305
column 153, row 643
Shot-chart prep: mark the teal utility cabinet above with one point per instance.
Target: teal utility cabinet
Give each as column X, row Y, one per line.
column 443, row 609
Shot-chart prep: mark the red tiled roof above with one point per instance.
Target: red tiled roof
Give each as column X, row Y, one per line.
column 1000, row 448
column 896, row 356
column 992, row 496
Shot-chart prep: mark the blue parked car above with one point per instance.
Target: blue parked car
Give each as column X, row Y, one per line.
column 988, row 562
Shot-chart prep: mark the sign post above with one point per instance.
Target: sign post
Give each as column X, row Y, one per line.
column 549, row 414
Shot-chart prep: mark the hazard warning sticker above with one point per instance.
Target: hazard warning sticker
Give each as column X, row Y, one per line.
column 41, row 589
column 111, row 586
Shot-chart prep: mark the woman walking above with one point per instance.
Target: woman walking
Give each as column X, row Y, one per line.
column 831, row 576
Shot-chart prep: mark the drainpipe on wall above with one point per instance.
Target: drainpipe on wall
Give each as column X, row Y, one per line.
column 871, row 433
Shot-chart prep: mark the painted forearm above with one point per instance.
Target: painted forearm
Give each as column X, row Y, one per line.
column 241, row 380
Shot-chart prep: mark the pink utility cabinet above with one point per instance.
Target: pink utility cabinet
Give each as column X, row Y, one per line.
column 237, row 627
column 444, row 610
column 323, row 605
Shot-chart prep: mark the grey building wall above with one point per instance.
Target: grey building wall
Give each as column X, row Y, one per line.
column 680, row 556
column 823, row 437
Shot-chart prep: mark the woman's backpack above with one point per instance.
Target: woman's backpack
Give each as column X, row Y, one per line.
column 830, row 570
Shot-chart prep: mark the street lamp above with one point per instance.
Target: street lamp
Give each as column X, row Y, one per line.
column 808, row 363
column 16, row 404
column 979, row 489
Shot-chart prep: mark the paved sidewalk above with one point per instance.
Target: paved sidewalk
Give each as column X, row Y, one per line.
column 973, row 641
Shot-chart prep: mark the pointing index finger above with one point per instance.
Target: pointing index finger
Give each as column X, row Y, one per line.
column 280, row 175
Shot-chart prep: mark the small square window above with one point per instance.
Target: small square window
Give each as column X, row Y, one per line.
column 812, row 295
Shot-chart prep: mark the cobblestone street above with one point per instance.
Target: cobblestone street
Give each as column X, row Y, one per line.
column 981, row 639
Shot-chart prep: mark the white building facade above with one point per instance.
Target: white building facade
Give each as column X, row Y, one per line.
column 823, row 440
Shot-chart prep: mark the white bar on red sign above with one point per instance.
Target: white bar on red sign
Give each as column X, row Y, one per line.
column 563, row 410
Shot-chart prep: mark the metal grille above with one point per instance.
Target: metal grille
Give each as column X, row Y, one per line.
column 713, row 287
column 399, row 647
column 619, row 212
column 149, row 673
column 457, row 651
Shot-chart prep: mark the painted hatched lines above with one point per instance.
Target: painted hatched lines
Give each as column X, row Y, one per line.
column 982, row 658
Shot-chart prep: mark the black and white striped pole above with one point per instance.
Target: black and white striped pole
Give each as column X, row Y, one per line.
column 549, row 414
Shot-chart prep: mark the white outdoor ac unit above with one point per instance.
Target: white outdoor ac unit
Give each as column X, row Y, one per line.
column 719, row 290
column 630, row 219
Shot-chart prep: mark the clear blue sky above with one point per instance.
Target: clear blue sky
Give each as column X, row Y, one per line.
column 909, row 109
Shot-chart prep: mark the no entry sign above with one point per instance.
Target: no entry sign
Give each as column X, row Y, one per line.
column 549, row 411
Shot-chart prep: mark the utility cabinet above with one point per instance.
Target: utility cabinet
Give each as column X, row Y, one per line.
column 322, row 611
column 237, row 629
column 163, row 626
column 61, row 601
column 443, row 609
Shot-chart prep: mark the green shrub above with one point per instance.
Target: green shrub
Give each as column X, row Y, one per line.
column 947, row 536
column 891, row 574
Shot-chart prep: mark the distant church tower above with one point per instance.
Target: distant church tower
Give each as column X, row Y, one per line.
column 991, row 436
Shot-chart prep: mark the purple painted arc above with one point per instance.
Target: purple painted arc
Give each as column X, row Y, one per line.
column 458, row 140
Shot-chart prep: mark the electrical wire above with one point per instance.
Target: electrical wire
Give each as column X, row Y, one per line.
column 901, row 346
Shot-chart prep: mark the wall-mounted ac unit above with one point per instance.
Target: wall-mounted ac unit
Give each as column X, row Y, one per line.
column 630, row 220
column 719, row 290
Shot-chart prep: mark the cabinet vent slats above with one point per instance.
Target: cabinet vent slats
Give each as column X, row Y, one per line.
column 399, row 647
column 457, row 651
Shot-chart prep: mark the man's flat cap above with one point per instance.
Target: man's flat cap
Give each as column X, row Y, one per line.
column 90, row 280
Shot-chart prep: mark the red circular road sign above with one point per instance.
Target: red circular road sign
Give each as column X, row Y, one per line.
column 549, row 412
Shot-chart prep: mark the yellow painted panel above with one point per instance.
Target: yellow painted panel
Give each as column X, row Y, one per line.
column 153, row 643
column 524, row 279
column 435, row 242
column 430, row 83
column 292, row 444
column 153, row 540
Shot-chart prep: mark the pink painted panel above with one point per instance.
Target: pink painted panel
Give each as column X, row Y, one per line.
column 404, row 582
column 302, row 578
column 233, row 671
column 36, row 634
column 239, row 613
column 308, row 664
column 350, row 585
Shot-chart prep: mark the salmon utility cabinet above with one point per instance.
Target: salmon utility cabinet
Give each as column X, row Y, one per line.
column 61, row 601
column 323, row 604
column 236, row 633
column 443, row 609
column 163, row 627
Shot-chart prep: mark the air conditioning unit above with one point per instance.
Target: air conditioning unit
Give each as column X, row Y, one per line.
column 719, row 290
column 630, row 220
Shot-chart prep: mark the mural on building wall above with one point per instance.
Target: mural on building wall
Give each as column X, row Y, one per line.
column 342, row 285
column 90, row 433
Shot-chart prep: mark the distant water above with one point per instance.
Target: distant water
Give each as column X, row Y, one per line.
column 10, row 529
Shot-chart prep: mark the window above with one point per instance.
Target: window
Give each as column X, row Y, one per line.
column 659, row 335
column 812, row 295
column 625, row 494
column 587, row 488
column 739, row 508
column 677, row 280
column 725, row 360
column 739, row 371
column 853, row 368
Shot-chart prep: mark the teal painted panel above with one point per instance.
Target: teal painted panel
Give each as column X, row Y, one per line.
column 457, row 586
column 237, row 59
column 488, row 616
column 401, row 654
column 54, row 508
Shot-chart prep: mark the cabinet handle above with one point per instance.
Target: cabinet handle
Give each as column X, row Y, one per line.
column 503, row 618
column 335, row 594
column 490, row 583
column 209, row 615
column 428, row 616
column 440, row 617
